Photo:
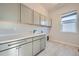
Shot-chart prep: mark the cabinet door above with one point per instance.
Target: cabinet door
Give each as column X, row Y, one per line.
column 26, row 15
column 9, row 12
column 42, row 22
column 36, row 18
column 25, row 50
column 48, row 21
column 45, row 21
column 36, row 47
column 10, row 52
column 43, row 43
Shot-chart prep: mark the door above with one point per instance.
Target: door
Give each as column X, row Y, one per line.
column 43, row 43
column 36, row 18
column 25, row 50
column 36, row 47
column 10, row 52
column 47, row 21
column 42, row 22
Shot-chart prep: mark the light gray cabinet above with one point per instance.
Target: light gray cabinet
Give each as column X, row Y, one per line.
column 42, row 20
column 10, row 52
column 25, row 47
column 10, row 12
column 39, row 44
column 36, row 47
column 19, row 13
column 45, row 21
column 48, row 21
column 36, row 18
column 26, row 15
column 25, row 50
column 42, row 43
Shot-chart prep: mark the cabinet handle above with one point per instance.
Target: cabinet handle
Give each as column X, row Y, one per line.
column 14, row 44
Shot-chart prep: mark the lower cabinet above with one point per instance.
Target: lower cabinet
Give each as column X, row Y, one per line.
column 25, row 50
column 36, row 47
column 28, row 47
column 10, row 52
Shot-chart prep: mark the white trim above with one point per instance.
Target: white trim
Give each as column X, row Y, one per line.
column 65, row 43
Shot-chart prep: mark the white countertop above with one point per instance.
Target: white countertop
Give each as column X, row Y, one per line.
column 9, row 38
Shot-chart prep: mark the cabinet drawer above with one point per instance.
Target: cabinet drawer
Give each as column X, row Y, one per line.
column 15, row 43
column 10, row 44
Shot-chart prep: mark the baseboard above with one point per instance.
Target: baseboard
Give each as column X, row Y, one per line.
column 65, row 43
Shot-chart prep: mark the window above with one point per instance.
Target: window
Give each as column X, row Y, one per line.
column 68, row 22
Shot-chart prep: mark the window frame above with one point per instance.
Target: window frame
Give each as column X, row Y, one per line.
column 68, row 14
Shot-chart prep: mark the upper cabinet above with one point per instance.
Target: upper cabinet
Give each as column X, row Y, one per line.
column 10, row 12
column 36, row 18
column 20, row 13
column 26, row 15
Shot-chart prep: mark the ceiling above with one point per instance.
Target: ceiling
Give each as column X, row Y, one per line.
column 48, row 6
column 52, row 6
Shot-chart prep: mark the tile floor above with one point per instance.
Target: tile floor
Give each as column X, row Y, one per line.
column 56, row 49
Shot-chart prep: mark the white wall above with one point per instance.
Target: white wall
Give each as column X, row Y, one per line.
column 55, row 34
